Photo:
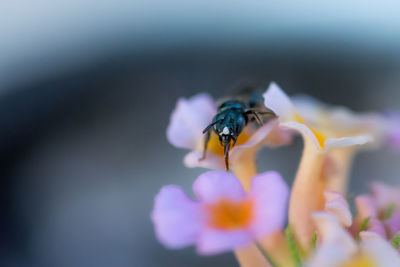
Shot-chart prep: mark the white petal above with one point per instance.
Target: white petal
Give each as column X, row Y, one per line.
column 379, row 249
column 276, row 100
column 347, row 141
column 212, row 161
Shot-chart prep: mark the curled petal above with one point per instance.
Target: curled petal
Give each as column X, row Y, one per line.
column 257, row 137
column 214, row 185
column 255, row 140
column 336, row 204
column 270, row 194
column 188, row 120
column 177, row 219
column 306, row 132
column 276, row 100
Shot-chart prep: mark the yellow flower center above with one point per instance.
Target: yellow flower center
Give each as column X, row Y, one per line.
column 360, row 260
column 228, row 215
column 320, row 136
column 215, row 147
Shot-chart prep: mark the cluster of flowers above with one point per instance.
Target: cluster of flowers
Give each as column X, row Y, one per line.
column 254, row 215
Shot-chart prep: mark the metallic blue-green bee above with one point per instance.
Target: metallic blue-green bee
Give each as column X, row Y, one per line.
column 231, row 118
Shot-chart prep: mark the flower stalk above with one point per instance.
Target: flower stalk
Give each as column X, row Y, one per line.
column 307, row 194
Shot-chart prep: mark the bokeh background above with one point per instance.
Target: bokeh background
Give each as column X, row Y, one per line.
column 87, row 88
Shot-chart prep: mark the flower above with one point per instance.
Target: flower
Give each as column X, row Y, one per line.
column 337, row 248
column 224, row 217
column 187, row 123
column 382, row 208
column 330, row 136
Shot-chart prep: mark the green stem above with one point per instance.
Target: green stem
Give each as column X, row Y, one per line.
column 266, row 255
column 293, row 248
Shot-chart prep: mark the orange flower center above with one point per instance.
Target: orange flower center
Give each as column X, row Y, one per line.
column 320, row 137
column 215, row 147
column 228, row 215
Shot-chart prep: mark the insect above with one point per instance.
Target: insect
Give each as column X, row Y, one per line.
column 231, row 118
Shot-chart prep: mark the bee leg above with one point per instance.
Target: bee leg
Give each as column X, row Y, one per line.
column 256, row 116
column 206, row 140
column 234, row 139
column 267, row 112
column 226, row 152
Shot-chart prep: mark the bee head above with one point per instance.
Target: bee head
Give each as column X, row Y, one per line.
column 225, row 135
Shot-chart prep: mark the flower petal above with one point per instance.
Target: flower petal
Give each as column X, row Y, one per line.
column 337, row 245
column 212, row 161
column 270, row 194
column 385, row 195
column 214, row 241
column 379, row 249
column 393, row 224
column 337, row 205
column 305, row 131
column 366, row 207
column 336, row 118
column 376, row 226
column 276, row 100
column 268, row 134
column 214, row 185
column 177, row 219
column 347, row 141
column 188, row 120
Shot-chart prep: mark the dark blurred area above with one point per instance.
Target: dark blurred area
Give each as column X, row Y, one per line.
column 87, row 88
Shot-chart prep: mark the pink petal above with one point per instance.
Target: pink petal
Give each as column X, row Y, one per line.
column 214, row 241
column 336, row 204
column 212, row 161
column 393, row 224
column 385, row 195
column 366, row 207
column 270, row 194
column 213, row 185
column 177, row 219
column 377, row 227
column 188, row 120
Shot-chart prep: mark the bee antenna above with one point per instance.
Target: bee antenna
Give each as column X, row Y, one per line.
column 210, row 125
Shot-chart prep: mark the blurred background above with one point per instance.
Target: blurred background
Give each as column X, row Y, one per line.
column 87, row 88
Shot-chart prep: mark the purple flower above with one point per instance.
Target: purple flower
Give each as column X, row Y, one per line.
column 224, row 217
